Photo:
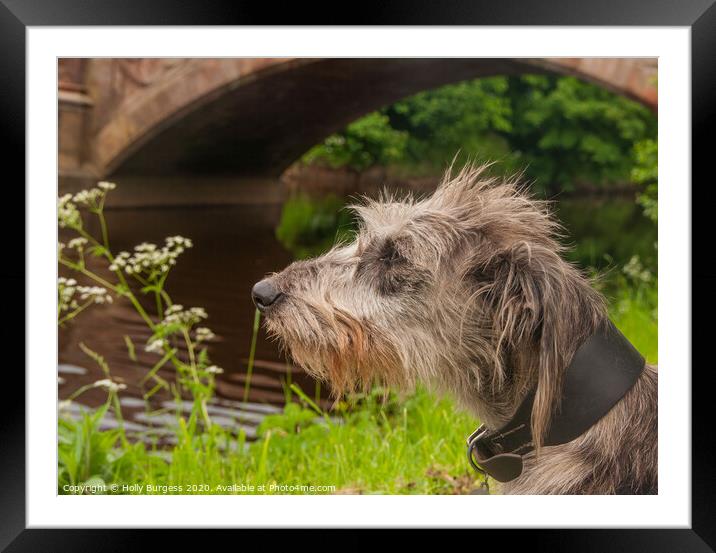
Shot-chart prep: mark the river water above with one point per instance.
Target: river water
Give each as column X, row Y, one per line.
column 234, row 246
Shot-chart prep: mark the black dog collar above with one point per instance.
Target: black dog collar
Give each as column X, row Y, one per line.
column 602, row 370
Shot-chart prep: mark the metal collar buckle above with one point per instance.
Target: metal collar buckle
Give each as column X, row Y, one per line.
column 502, row 466
column 472, row 444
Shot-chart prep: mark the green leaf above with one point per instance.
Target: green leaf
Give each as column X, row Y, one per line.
column 98, row 251
column 130, row 348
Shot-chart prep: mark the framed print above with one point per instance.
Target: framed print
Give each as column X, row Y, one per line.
column 416, row 272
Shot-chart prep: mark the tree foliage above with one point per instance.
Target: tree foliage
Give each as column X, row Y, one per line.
column 645, row 172
column 368, row 141
column 565, row 133
column 570, row 133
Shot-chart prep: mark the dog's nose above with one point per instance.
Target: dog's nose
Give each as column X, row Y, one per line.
column 265, row 294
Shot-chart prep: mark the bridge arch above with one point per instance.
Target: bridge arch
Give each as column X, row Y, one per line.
column 254, row 117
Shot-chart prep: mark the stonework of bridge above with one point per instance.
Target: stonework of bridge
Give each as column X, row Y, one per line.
column 226, row 118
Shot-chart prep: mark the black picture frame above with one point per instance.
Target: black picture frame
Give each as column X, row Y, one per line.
column 699, row 15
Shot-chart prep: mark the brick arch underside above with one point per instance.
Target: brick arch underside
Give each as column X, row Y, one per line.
column 257, row 124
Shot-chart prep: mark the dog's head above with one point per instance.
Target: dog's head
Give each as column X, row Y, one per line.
column 464, row 290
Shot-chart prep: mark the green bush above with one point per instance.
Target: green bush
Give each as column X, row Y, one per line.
column 564, row 132
column 604, row 233
column 368, row 141
column 309, row 227
column 645, row 172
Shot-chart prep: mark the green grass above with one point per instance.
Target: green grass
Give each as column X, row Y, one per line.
column 634, row 312
column 379, row 445
column 411, row 446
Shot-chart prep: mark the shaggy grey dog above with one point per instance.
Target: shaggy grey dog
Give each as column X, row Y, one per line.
column 466, row 292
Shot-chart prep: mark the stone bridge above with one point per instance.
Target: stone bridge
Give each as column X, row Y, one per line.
column 227, row 119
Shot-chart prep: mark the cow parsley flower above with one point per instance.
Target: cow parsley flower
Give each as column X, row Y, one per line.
column 77, row 243
column 213, row 369
column 70, row 294
column 204, row 334
column 155, row 346
column 95, row 293
column 67, row 213
column 636, row 270
column 66, row 288
column 88, row 198
column 110, row 385
column 177, row 314
column 149, row 259
column 106, row 186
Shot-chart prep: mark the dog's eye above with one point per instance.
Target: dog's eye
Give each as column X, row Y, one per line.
column 380, row 260
column 390, row 254
column 391, row 257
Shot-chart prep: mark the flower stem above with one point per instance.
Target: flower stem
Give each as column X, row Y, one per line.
column 252, row 353
column 74, row 313
column 89, row 274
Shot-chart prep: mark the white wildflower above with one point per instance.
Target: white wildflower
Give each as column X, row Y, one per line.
column 214, row 370
column 66, row 288
column 176, row 314
column 198, row 312
column 77, row 243
column 150, row 259
column 636, row 270
column 67, row 213
column 204, row 334
column 178, row 241
column 95, row 293
column 70, row 294
column 110, row 385
column 156, row 346
column 145, row 247
column 88, row 198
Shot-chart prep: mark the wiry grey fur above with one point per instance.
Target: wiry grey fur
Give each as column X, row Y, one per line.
column 466, row 291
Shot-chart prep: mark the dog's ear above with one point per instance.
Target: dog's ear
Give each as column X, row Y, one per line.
column 528, row 322
column 540, row 307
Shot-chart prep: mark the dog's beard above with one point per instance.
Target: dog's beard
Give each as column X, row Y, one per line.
column 335, row 347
